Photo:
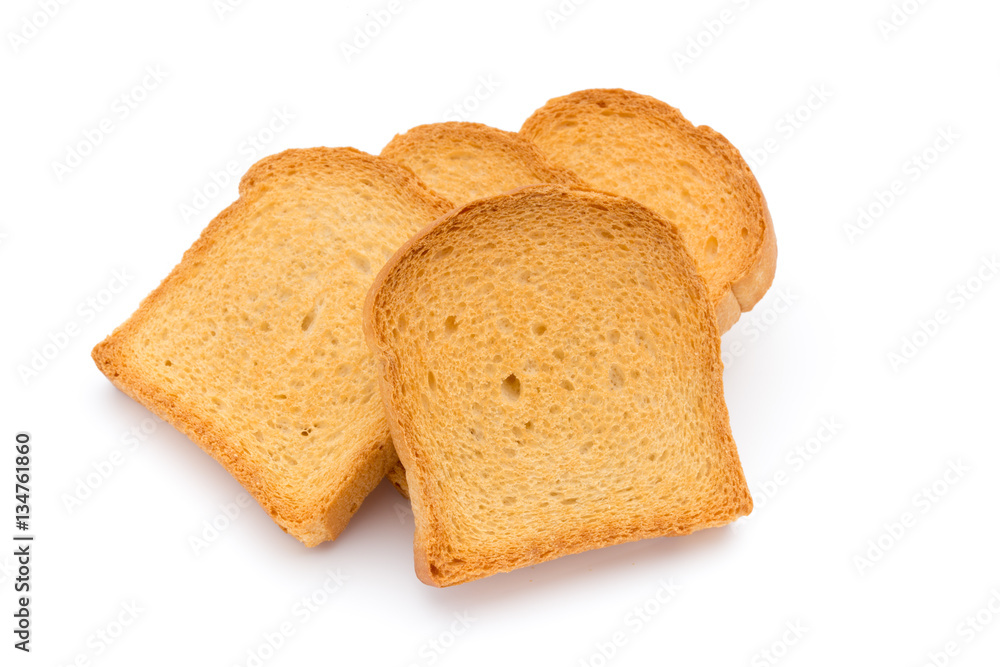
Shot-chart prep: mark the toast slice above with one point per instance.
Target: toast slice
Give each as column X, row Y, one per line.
column 640, row 147
column 253, row 346
column 550, row 368
column 466, row 161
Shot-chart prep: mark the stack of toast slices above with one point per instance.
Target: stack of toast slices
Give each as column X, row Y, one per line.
column 521, row 330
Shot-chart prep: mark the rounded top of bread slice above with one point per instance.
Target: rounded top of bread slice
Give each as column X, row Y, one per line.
column 550, row 369
column 467, row 161
column 637, row 146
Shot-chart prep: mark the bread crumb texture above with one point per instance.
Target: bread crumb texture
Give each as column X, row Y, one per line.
column 639, row 147
column 550, row 366
column 467, row 161
column 253, row 345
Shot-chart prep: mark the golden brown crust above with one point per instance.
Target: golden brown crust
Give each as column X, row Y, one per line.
column 345, row 489
column 414, row 148
column 750, row 276
column 433, row 555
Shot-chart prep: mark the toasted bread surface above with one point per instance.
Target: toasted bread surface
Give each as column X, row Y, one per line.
column 637, row 146
column 253, row 346
column 467, row 161
column 549, row 361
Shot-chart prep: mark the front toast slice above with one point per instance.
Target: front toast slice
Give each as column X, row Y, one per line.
column 253, row 346
column 467, row 161
column 549, row 362
column 637, row 146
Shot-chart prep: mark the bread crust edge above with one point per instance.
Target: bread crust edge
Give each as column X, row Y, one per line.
column 421, row 496
column 311, row 524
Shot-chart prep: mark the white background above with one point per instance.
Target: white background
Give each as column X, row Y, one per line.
column 816, row 348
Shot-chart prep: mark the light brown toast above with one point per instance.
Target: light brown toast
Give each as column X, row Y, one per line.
column 549, row 361
column 253, row 346
column 637, row 146
column 467, row 161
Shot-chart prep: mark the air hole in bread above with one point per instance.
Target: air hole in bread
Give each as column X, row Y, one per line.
column 360, row 262
column 616, row 376
column 450, row 324
column 431, row 381
column 558, row 354
column 511, row 388
column 567, row 385
column 168, row 363
column 711, row 247
column 538, row 329
column 310, row 317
